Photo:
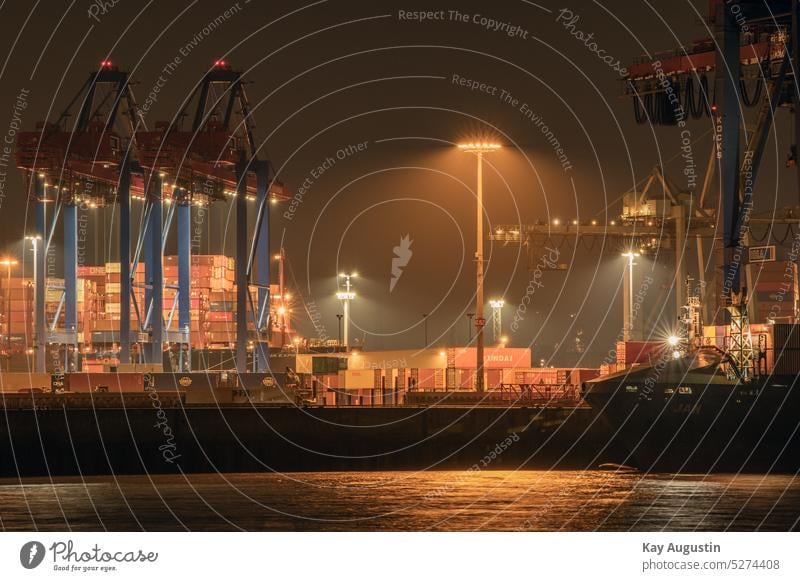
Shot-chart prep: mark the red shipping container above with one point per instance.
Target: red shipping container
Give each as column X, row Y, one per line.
column 630, row 352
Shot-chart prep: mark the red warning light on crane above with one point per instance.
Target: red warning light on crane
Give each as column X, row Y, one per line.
column 105, row 64
column 221, row 63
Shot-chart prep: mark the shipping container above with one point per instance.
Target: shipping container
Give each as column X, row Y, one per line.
column 111, row 382
column 631, row 352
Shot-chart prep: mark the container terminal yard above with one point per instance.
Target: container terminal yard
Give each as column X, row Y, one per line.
column 207, row 343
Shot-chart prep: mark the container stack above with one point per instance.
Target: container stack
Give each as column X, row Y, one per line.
column 787, row 349
column 213, row 276
column 212, row 305
column 198, row 298
column 776, row 292
column 88, row 307
column 16, row 306
column 107, row 326
column 639, row 352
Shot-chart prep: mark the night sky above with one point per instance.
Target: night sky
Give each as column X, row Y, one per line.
column 379, row 100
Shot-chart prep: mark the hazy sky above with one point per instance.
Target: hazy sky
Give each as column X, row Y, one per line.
column 360, row 104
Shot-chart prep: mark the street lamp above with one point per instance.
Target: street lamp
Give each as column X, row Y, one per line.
column 346, row 296
column 479, row 148
column 628, row 313
column 35, row 243
column 281, row 258
column 8, row 263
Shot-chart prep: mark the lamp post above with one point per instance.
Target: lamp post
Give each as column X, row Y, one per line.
column 627, row 318
column 425, row 326
column 8, row 263
column 35, row 243
column 339, row 316
column 280, row 258
column 346, row 296
column 469, row 326
column 479, row 148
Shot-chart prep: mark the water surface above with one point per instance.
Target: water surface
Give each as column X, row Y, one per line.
column 405, row 501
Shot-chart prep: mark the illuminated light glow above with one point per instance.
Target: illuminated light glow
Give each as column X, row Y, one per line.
column 594, row 222
column 676, row 354
column 345, row 295
column 556, row 222
column 479, row 146
column 220, row 63
column 281, row 310
column 613, row 223
column 504, row 339
column 630, row 254
column 673, row 340
column 106, row 64
column 574, row 222
column 442, row 353
column 497, row 303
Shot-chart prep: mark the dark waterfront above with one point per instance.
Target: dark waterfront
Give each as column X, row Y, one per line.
column 406, row 501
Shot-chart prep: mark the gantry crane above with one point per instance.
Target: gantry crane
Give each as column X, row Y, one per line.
column 755, row 40
column 213, row 157
column 108, row 156
column 89, row 162
column 755, row 43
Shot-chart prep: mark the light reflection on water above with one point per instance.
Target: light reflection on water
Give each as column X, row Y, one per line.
column 463, row 501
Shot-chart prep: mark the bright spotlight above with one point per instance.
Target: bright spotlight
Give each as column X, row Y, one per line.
column 479, row 147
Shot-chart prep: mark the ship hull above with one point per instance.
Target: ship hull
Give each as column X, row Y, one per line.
column 702, row 426
column 94, row 441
